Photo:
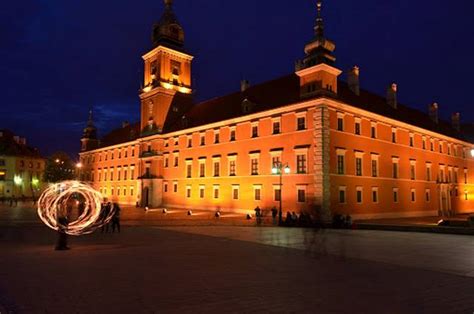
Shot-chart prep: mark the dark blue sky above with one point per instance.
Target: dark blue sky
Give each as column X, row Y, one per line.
column 58, row 58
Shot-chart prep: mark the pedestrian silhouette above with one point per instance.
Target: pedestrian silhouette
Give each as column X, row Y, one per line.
column 116, row 218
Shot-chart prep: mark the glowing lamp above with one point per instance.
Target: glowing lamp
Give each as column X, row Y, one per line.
column 472, row 152
column 79, row 165
column 287, row 170
column 274, row 170
column 57, row 161
column 35, row 181
column 18, row 180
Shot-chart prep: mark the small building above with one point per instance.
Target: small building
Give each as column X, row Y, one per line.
column 21, row 167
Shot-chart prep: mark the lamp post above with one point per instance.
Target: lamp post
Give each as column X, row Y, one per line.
column 279, row 168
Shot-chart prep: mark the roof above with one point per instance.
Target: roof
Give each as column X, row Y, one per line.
column 277, row 93
column 124, row 134
column 11, row 145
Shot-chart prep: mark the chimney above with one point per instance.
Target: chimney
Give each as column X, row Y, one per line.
column 353, row 80
column 433, row 111
column 125, row 124
column 244, row 85
column 456, row 121
column 392, row 96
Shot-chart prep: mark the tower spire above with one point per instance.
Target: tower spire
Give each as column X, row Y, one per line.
column 319, row 28
column 168, row 3
column 90, row 121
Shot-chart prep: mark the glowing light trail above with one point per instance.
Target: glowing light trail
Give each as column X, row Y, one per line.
column 57, row 201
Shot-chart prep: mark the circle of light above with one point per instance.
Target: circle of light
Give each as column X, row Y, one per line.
column 54, row 200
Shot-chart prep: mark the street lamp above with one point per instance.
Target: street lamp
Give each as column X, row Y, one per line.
column 279, row 168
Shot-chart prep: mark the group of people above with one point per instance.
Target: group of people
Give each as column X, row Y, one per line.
column 106, row 211
column 292, row 219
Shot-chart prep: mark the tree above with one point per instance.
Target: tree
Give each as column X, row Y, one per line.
column 59, row 167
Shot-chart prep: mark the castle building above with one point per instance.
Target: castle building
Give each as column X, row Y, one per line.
column 21, row 167
column 336, row 147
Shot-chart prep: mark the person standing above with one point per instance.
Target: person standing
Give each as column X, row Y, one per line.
column 61, row 244
column 116, row 218
column 105, row 216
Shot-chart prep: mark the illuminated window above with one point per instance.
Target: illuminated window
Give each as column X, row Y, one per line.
column 375, row 165
column 189, row 168
column 358, row 163
column 217, row 167
column 254, row 166
column 340, row 164
column 232, row 165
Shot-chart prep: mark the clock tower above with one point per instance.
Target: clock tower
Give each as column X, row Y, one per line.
column 167, row 75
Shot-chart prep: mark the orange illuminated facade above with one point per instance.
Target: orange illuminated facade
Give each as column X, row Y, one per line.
column 349, row 151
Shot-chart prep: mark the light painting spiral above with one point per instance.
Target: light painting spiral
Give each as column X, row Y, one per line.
column 60, row 201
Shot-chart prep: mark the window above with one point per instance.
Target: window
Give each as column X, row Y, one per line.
column 301, row 194
column 232, row 134
column 449, row 149
column 412, row 140
column 450, row 175
column 188, row 191
column 216, row 137
column 424, row 143
column 359, row 195
column 176, row 161
column 412, row 170
column 395, row 169
column 413, row 195
column 441, row 173
column 358, row 166
column 340, row 161
column 189, row 168
column 301, row 123
column 373, row 130
column 235, row 192
column 111, row 174
column 176, row 141
column 166, row 162
column 465, row 195
column 202, row 139
column 428, row 195
column 394, row 135
column 255, row 130
column 276, row 193
column 432, row 145
column 375, row 167
column 465, row 176
column 456, row 171
column 202, row 168
column 254, row 166
column 165, row 187
column 175, row 187
column 357, row 126
column 202, row 189
column 217, row 165
column 342, row 195
column 301, row 163
column 340, row 122
column 119, row 173
column 257, row 192
column 190, row 142
column 132, row 173
column 428, row 172
column 395, row 195
column 375, row 195
column 276, row 127
column 232, row 165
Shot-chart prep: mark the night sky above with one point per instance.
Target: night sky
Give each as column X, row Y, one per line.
column 59, row 58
